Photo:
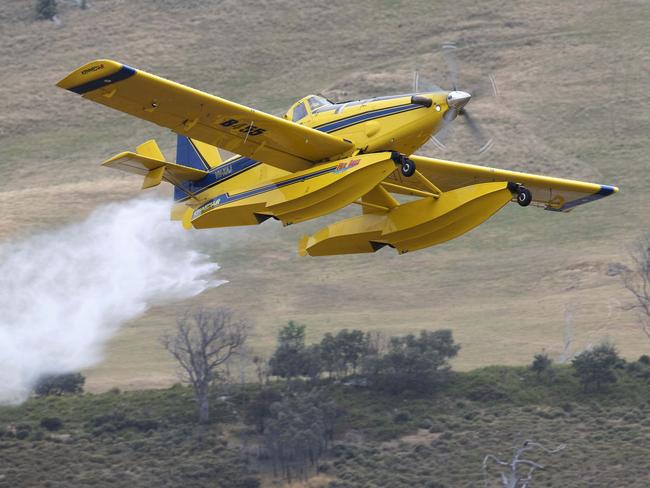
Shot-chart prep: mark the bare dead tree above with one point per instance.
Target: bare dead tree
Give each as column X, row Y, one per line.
column 204, row 343
column 520, row 471
column 637, row 281
column 262, row 369
column 377, row 342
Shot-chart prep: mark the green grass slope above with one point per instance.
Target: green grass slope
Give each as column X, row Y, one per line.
column 150, row 438
column 572, row 80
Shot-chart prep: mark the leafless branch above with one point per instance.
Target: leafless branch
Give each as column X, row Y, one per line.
column 205, row 341
column 512, row 478
column 637, row 281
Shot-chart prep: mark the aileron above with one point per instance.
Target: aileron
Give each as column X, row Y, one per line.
column 556, row 194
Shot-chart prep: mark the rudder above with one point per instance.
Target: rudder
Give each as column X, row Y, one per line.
column 196, row 154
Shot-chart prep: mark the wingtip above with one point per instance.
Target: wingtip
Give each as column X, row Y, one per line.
column 608, row 190
column 123, row 154
column 95, row 74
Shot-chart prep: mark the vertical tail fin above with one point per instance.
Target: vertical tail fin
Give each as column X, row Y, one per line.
column 196, row 154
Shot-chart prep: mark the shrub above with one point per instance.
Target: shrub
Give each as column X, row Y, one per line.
column 324, row 468
column 568, row 407
column 640, row 368
column 23, row 431
column 60, row 384
column 401, row 417
column 487, row 393
column 115, row 422
column 51, row 423
column 22, row 434
column 470, row 415
column 38, row 436
column 45, row 9
column 415, row 363
column 249, row 482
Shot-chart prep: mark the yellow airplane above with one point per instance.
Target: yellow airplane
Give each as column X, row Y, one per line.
column 320, row 157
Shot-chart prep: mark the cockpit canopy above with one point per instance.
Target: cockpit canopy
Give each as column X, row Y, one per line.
column 306, row 106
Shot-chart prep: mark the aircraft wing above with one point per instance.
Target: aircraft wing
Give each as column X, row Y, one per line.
column 555, row 194
column 204, row 117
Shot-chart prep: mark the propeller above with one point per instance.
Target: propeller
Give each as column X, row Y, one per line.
column 457, row 101
column 450, row 57
column 420, row 85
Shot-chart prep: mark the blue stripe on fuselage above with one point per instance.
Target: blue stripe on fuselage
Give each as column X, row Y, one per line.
column 372, row 114
column 242, row 164
column 218, row 175
column 227, row 198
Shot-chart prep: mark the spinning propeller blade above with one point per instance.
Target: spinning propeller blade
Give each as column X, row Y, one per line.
column 457, row 101
column 449, row 53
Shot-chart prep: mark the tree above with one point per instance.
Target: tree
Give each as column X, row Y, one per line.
column 258, row 410
column 299, row 432
column 343, row 353
column 330, row 354
column 353, row 346
column 292, row 358
column 637, row 281
column 204, row 343
column 542, row 365
column 515, row 476
column 595, row 368
column 416, row 363
column 312, row 364
column 60, row 384
column 46, row 9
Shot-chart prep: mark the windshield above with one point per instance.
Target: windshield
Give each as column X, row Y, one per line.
column 316, row 102
column 299, row 112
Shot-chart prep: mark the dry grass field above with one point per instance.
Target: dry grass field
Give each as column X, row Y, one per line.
column 572, row 80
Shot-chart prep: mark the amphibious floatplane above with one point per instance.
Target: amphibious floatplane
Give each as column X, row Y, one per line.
column 320, row 157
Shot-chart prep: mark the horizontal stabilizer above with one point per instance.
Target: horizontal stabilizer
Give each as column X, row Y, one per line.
column 149, row 162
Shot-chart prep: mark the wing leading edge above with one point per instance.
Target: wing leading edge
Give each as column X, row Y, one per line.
column 556, row 194
column 204, row 117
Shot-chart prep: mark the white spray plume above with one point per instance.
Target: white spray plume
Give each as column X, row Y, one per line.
column 64, row 293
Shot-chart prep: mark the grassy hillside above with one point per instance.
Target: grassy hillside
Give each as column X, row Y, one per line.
column 149, row 438
column 572, row 80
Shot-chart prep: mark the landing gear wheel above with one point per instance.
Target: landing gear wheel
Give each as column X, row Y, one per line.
column 524, row 196
column 408, row 167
